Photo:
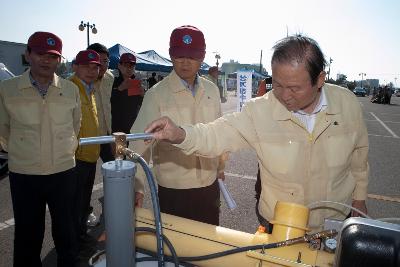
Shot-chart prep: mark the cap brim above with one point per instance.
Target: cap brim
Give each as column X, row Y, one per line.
column 189, row 53
column 44, row 51
column 134, row 62
column 87, row 63
column 95, row 62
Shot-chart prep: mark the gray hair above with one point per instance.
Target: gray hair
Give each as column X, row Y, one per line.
column 300, row 49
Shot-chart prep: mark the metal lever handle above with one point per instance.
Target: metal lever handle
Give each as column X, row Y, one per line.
column 120, row 140
column 111, row 139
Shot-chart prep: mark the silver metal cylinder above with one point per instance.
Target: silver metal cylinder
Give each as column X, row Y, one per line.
column 119, row 212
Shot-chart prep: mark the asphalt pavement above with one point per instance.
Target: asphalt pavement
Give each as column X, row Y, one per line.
column 383, row 123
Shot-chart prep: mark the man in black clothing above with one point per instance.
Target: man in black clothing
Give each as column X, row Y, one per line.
column 152, row 80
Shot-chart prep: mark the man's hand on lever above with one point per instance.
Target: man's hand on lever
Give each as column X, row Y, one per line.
column 165, row 129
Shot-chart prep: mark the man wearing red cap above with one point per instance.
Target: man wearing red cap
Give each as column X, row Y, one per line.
column 86, row 72
column 39, row 120
column 187, row 184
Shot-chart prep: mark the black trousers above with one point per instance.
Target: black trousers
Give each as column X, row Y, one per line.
column 199, row 204
column 29, row 194
column 106, row 153
column 86, row 173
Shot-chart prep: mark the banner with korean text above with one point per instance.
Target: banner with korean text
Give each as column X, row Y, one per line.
column 243, row 87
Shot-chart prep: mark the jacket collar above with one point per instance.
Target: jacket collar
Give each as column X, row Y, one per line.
column 25, row 81
column 178, row 86
column 333, row 99
column 280, row 113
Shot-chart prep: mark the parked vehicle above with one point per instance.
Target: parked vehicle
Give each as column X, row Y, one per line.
column 4, row 74
column 359, row 91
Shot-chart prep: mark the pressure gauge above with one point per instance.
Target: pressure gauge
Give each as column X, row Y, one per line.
column 330, row 245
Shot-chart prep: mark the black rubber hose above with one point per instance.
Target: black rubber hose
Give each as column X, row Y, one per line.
column 153, row 257
column 156, row 209
column 166, row 240
column 229, row 252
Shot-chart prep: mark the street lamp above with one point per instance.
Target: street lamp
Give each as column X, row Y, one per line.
column 362, row 74
column 87, row 25
column 217, row 56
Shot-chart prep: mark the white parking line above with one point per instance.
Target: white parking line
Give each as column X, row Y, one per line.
column 240, row 176
column 385, row 121
column 392, row 121
column 379, row 135
column 384, row 125
column 391, row 114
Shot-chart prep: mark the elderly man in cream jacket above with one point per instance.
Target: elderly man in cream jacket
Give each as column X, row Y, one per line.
column 310, row 137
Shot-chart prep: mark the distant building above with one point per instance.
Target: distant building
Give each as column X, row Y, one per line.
column 233, row 66
column 12, row 55
column 368, row 83
column 373, row 83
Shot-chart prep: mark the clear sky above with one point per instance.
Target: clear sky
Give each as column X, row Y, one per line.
column 360, row 36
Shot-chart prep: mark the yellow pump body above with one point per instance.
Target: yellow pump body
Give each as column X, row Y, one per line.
column 192, row 238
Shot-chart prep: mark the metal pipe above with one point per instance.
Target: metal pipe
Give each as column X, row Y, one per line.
column 96, row 140
column 308, row 238
column 111, row 139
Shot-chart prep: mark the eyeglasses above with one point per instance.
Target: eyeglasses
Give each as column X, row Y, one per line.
column 128, row 64
column 183, row 59
column 105, row 62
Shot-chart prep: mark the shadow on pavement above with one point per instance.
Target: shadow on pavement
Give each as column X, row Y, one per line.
column 50, row 260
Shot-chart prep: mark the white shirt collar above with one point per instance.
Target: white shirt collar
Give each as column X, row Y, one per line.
column 322, row 104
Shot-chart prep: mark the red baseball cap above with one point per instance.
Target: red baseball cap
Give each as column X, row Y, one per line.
column 187, row 41
column 85, row 57
column 45, row 42
column 127, row 58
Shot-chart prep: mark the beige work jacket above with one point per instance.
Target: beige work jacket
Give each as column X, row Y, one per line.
column 102, row 94
column 172, row 168
column 296, row 166
column 40, row 133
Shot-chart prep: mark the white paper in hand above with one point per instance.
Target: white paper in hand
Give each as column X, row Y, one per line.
column 230, row 202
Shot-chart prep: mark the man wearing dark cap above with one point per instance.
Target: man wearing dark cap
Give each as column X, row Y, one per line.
column 40, row 120
column 126, row 96
column 188, row 185
column 86, row 72
column 102, row 93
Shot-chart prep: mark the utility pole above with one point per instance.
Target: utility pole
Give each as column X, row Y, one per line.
column 329, row 69
column 362, row 74
column 261, row 62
